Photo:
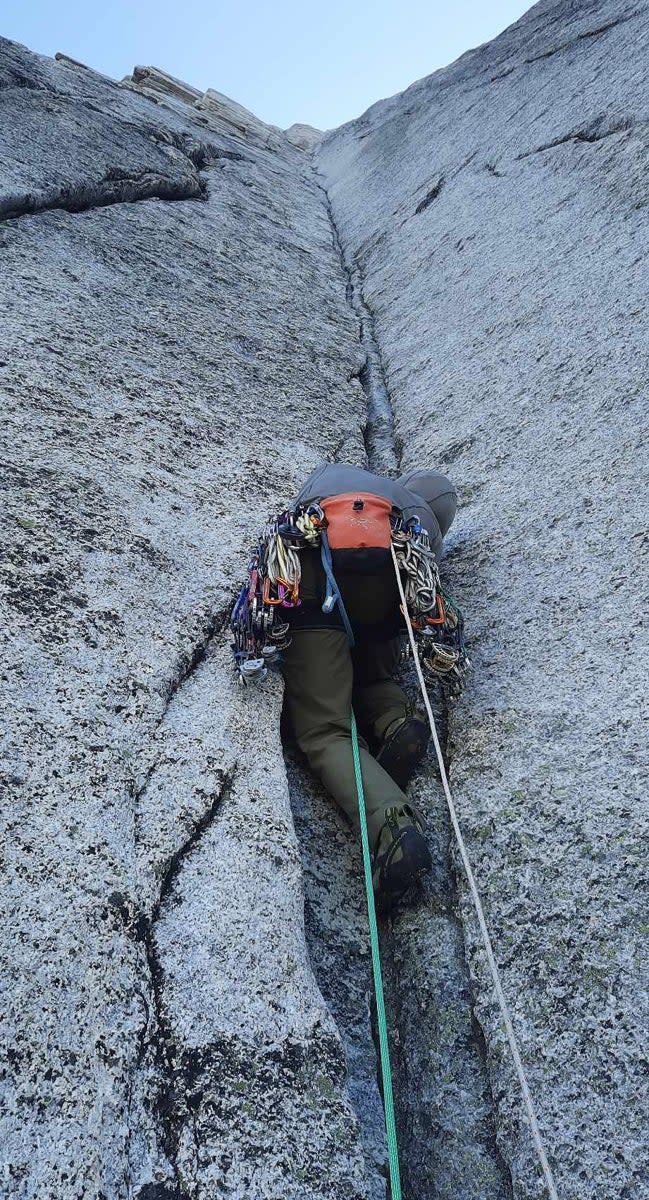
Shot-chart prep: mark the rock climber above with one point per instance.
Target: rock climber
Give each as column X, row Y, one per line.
column 324, row 676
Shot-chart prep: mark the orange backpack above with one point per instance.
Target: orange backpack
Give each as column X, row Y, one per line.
column 358, row 530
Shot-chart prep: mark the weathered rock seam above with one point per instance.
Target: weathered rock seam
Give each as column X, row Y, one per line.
column 112, row 189
column 384, row 456
column 381, row 443
column 172, row 1109
column 119, row 186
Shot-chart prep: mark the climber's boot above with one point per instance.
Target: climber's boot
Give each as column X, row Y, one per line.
column 404, row 745
column 401, row 855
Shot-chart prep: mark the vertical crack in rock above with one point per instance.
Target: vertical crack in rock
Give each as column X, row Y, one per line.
column 157, row 1040
column 172, row 1111
column 444, row 1108
column 188, row 663
column 381, row 443
column 215, row 625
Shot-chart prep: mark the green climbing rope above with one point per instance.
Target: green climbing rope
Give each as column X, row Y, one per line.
column 388, row 1104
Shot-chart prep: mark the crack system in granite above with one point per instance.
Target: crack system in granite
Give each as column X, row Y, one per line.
column 114, row 188
column 188, row 665
column 120, row 186
column 422, row 1176
column 170, row 1105
column 379, row 435
column 156, row 1038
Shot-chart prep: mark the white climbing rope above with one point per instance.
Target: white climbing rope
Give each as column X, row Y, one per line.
column 475, row 895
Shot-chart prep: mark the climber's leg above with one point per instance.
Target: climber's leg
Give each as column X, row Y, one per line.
column 400, row 735
column 318, row 676
column 378, row 698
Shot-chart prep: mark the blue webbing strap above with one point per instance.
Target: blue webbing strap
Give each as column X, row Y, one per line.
column 333, row 596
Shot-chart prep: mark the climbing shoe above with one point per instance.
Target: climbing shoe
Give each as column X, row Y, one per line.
column 402, row 749
column 401, row 855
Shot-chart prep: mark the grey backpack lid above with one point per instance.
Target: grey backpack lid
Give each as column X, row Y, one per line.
column 331, row 479
column 437, row 491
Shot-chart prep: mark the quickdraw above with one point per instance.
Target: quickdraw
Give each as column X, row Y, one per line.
column 434, row 615
column 274, row 573
column 260, row 634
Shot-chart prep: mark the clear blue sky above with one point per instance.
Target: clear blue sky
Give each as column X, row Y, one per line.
column 322, row 63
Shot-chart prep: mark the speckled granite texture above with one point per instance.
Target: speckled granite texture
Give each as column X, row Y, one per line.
column 496, row 215
column 193, row 318
column 170, row 369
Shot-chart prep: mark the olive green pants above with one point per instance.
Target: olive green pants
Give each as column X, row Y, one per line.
column 323, row 678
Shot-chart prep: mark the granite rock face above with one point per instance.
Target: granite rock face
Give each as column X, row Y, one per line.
column 495, row 216
column 304, row 136
column 195, row 315
column 173, row 358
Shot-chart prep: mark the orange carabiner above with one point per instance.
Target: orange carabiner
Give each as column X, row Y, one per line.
column 441, row 613
column 291, row 588
column 413, row 621
column 266, row 596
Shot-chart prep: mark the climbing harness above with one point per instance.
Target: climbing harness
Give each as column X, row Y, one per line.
column 475, row 896
column 354, row 531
